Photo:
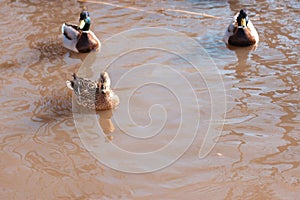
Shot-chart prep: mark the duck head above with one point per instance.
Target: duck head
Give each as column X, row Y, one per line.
column 84, row 21
column 242, row 19
column 104, row 83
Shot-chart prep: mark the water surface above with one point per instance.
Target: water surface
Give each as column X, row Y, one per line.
column 256, row 157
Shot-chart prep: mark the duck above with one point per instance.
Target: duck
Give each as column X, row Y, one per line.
column 241, row 32
column 96, row 95
column 80, row 38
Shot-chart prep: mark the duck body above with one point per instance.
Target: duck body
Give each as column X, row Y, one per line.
column 241, row 32
column 92, row 94
column 80, row 38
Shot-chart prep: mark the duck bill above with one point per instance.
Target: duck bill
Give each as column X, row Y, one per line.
column 81, row 24
column 243, row 22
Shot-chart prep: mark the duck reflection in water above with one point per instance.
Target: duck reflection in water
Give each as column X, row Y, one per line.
column 106, row 123
column 242, row 67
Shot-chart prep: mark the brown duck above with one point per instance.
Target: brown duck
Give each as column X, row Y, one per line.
column 94, row 94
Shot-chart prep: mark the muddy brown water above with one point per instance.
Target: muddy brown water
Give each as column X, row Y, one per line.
column 257, row 155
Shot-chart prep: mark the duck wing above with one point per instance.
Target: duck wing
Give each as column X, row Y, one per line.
column 85, row 87
column 233, row 24
column 86, row 92
column 70, row 31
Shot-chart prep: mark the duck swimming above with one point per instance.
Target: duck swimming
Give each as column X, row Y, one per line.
column 241, row 31
column 92, row 94
column 80, row 38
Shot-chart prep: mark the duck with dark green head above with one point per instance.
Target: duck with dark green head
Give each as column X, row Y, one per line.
column 241, row 31
column 80, row 38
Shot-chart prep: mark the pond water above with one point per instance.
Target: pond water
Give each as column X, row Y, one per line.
column 44, row 154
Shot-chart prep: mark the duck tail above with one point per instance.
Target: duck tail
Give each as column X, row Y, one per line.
column 69, row 31
column 74, row 76
column 63, row 28
column 70, row 84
